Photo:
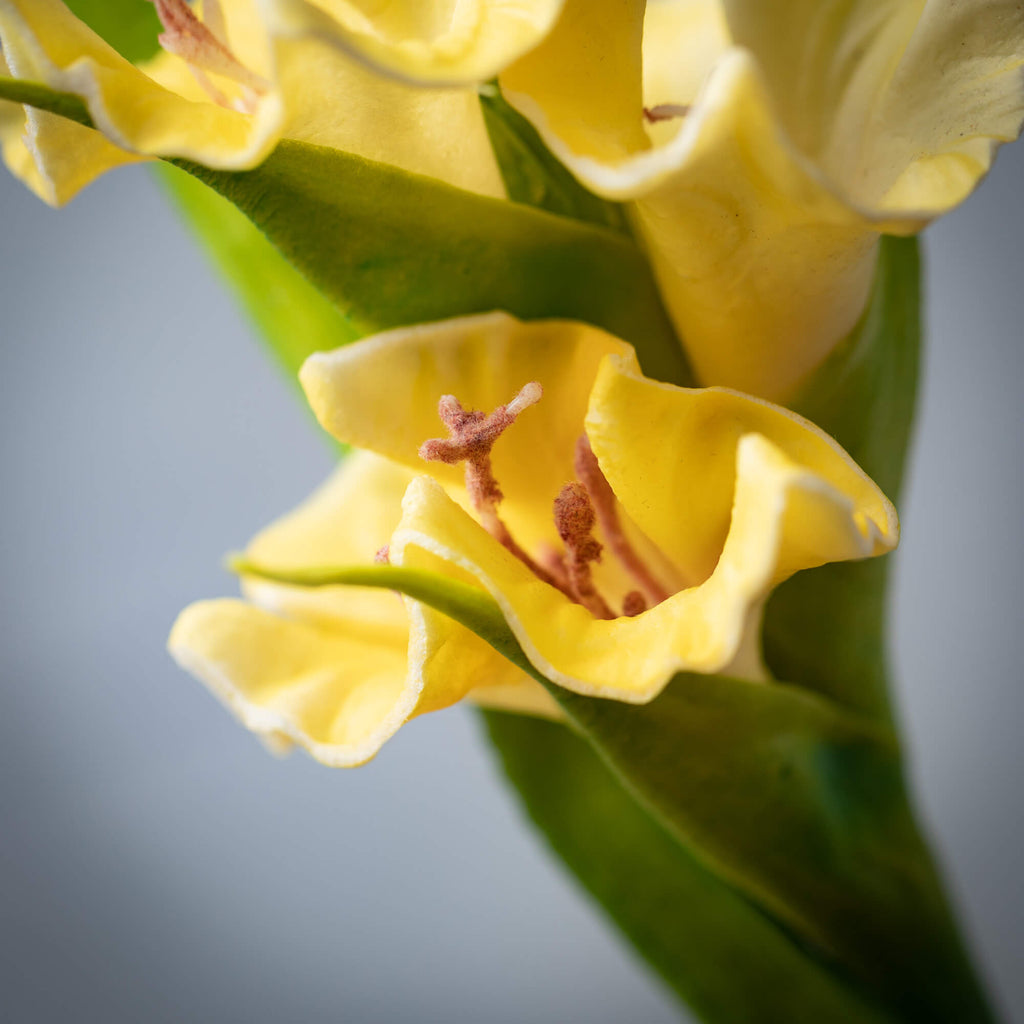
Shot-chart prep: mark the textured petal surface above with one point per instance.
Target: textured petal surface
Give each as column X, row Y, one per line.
column 585, row 80
column 430, row 41
column 334, row 100
column 382, row 394
column 903, row 104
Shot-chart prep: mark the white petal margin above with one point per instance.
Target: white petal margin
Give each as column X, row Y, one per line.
column 338, row 670
column 43, row 42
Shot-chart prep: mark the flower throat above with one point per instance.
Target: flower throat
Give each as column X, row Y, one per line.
column 579, row 507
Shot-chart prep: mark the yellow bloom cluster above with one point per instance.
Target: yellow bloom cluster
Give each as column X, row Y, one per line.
column 762, row 149
column 721, row 496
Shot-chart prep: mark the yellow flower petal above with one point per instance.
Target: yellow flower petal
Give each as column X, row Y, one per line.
column 338, row 694
column 445, row 42
column 318, row 93
column 781, row 516
column 335, row 101
column 456, row 663
column 815, row 126
column 902, row 105
column 585, row 79
column 736, row 494
column 671, row 456
column 382, row 394
column 54, row 157
column 43, row 41
column 733, row 219
column 337, row 670
column 344, row 522
column 682, row 41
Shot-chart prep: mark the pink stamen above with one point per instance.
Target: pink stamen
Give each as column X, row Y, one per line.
column 472, row 435
column 589, row 474
column 665, row 112
column 204, row 47
column 574, row 520
column 213, row 19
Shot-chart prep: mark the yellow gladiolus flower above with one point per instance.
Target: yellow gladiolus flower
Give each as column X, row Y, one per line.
column 702, row 500
column 765, row 146
column 235, row 76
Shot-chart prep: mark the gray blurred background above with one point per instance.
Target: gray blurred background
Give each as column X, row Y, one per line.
column 156, row 864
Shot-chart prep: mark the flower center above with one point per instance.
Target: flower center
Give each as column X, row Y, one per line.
column 578, row 508
column 203, row 45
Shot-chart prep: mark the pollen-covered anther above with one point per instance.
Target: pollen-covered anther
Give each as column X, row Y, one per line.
column 383, row 555
column 665, row 112
column 633, row 604
column 575, row 520
column 589, row 474
column 471, row 436
column 204, row 47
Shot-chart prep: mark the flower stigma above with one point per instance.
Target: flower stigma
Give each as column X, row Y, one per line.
column 580, row 506
column 203, row 45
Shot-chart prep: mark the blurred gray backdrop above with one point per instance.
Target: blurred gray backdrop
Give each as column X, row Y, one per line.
column 156, row 864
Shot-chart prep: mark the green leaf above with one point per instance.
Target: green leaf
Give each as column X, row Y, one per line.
column 465, row 603
column 391, row 248
column 825, row 629
column 732, row 963
column 291, row 315
column 800, row 805
column 130, row 26
column 533, row 175
column 779, row 794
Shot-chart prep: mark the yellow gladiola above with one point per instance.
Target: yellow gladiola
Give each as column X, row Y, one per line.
column 238, row 75
column 704, row 501
column 765, row 146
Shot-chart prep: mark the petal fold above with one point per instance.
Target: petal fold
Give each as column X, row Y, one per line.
column 43, row 41
column 441, row 42
column 338, row 670
column 382, row 394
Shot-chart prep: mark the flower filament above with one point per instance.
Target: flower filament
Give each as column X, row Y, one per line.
column 203, row 45
column 579, row 507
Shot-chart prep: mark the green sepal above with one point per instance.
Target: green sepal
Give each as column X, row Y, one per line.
column 731, row 962
column 826, row 628
column 533, row 175
column 35, row 94
column 391, row 248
